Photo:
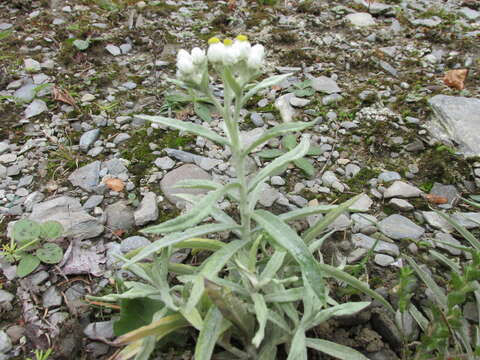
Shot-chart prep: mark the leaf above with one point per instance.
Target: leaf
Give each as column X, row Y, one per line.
column 289, row 141
column 306, row 166
column 270, row 153
column 306, row 211
column 280, row 163
column 135, row 313
column 456, row 78
column 25, row 231
column 209, row 334
column 333, row 349
column 230, row 80
column 321, row 225
column 467, row 235
column 261, row 312
column 199, row 243
column 314, row 151
column 345, row 309
column 51, row 230
column 304, row 92
column 186, row 126
column 199, row 212
column 114, row 184
column 290, row 295
column 178, row 237
column 81, row 44
column 203, row 111
column 28, row 263
column 290, row 241
column 273, row 80
column 50, row 253
column 159, row 328
column 298, row 348
column 273, row 265
column 63, row 96
column 278, row 130
column 146, row 349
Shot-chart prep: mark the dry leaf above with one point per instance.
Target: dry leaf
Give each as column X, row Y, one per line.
column 276, row 88
column 232, row 5
column 456, row 78
column 63, row 96
column 119, row 232
column 114, row 184
column 436, row 199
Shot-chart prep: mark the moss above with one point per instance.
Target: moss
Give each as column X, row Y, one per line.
column 282, row 36
column 297, row 56
column 358, row 183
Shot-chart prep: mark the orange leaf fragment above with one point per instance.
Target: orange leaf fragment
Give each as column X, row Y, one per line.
column 456, row 78
column 276, row 88
column 118, row 232
column 436, row 199
column 114, row 184
column 63, row 96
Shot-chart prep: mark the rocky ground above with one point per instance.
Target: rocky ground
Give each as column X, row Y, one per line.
column 371, row 76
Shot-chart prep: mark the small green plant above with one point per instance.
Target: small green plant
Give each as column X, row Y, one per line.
column 81, row 44
column 303, row 89
column 258, row 295
column 202, row 106
column 447, row 333
column 41, row 354
column 289, row 142
column 25, row 248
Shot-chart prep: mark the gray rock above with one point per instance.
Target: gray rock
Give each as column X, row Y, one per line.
column 430, row 22
column 299, row 102
column 35, row 108
column 328, row 178
column 268, row 195
column 115, row 167
column 119, row 216
column 325, row 85
column 469, row 14
column 148, row 209
column 93, row 201
column 88, row 138
column 448, row 191
column 400, row 204
column 51, row 298
column 15, row 332
column 8, row 158
column 121, row 138
column 3, row 172
column 112, row 49
column 204, row 162
column 282, row 104
column 5, row 26
column 408, row 324
column 257, row 119
column 375, row 8
column 341, row 223
column 5, row 343
column 362, row 204
column 277, row 181
column 388, row 176
column 99, row 330
column 388, row 68
column 383, row 260
column 449, row 239
column 26, row 93
column 5, row 300
column 32, row 199
column 470, row 311
column 32, row 65
column 132, row 243
column 367, row 242
column 86, row 177
column 436, row 221
column 364, row 223
column 164, row 163
column 351, row 170
column 402, row 190
column 399, row 227
column 461, row 116
column 360, row 19
column 249, row 137
column 470, row 220
column 126, row 48
column 68, row 211
column 330, row 99
column 384, row 325
column 130, row 85
column 184, row 172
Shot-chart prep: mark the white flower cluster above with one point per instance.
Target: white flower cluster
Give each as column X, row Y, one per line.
column 238, row 54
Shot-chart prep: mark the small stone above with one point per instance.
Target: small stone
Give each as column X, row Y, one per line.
column 367, row 242
column 5, row 300
column 277, row 181
column 112, row 49
column 88, row 138
column 360, row 19
column 130, row 85
column 35, row 108
column 257, row 119
column 132, row 243
column 125, row 48
column 470, row 311
column 268, row 195
column 164, row 163
column 119, row 216
column 362, row 204
column 32, row 65
column 8, row 158
column 93, row 201
column 435, row 220
column 325, row 85
column 121, row 138
column 330, row 99
column 399, row 227
column 470, row 220
column 51, row 298
column 299, row 102
column 351, row 170
column 400, row 204
column 383, row 260
column 100, row 330
column 402, row 190
column 287, row 112
column 448, row 191
column 447, row 238
column 86, row 177
column 87, row 98
column 15, row 332
column 388, row 176
column 148, row 209
column 5, row 343
column 26, row 93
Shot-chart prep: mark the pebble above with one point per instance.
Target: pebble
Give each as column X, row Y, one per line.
column 399, row 227
column 5, row 343
column 5, row 300
column 164, row 163
column 148, row 209
column 35, row 108
column 360, row 19
column 277, row 181
column 121, row 138
column 88, row 138
column 401, row 205
column 87, row 177
column 132, row 243
column 113, row 50
column 99, row 330
column 51, row 298
column 402, row 190
column 32, row 65
column 119, row 216
column 383, row 260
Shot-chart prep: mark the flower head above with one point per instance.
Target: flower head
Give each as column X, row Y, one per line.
column 242, row 46
column 215, row 50
column 255, row 57
column 231, row 54
column 185, row 62
column 198, row 56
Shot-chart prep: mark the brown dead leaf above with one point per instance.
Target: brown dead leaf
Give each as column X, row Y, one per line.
column 232, row 5
column 436, row 199
column 455, row 78
column 276, row 88
column 119, row 232
column 63, row 96
column 114, row 184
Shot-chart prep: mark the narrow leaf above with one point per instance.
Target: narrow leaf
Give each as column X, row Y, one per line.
column 203, row 111
column 230, row 80
column 290, row 295
column 305, row 165
column 261, row 312
column 209, row 334
column 338, row 351
column 298, row 348
column 186, row 126
column 270, row 153
column 273, row 80
column 273, row 265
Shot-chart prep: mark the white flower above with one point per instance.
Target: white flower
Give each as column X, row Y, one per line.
column 255, row 58
column 215, row 50
column 185, row 62
column 198, row 56
column 231, row 55
column 243, row 47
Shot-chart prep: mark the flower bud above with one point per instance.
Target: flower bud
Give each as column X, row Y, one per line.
column 215, row 50
column 255, row 58
column 198, row 56
column 242, row 46
column 185, row 62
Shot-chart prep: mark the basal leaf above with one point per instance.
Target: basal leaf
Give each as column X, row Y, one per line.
column 28, row 263
column 203, row 111
column 270, row 153
column 338, row 351
column 305, row 165
column 209, row 334
column 135, row 313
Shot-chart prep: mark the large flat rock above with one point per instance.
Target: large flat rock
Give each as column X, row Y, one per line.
column 456, row 120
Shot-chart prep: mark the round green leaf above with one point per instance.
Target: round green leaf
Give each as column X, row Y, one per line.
column 26, row 230
column 50, row 253
column 28, row 263
column 51, row 230
column 81, row 44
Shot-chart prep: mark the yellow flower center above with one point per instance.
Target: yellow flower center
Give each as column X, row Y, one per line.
column 213, row 40
column 242, row 38
column 227, row 42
